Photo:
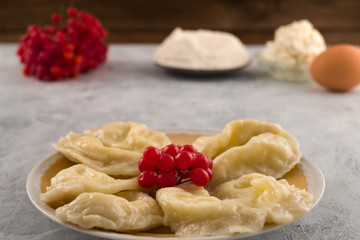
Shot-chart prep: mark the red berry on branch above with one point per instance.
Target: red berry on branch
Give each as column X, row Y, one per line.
column 199, row 177
column 56, row 18
column 26, row 71
column 69, row 47
column 71, row 11
column 166, row 163
column 183, row 160
column 200, row 161
column 68, row 56
column 143, row 165
column 188, row 148
column 166, row 179
column 171, row 149
column 55, row 70
column 151, row 155
column 147, row 179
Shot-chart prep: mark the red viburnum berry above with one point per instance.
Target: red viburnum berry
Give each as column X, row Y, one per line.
column 188, row 148
column 167, row 179
column 171, row 149
column 56, row 18
column 166, row 163
column 147, row 179
column 57, row 52
column 71, row 11
column 184, row 160
column 151, row 155
column 201, row 161
column 199, row 176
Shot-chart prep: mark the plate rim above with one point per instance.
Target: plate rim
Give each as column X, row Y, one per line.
column 33, row 189
column 202, row 72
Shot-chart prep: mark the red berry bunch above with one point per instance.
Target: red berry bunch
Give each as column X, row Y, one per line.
column 56, row 52
column 172, row 165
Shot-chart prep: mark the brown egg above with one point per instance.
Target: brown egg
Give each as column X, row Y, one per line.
column 337, row 68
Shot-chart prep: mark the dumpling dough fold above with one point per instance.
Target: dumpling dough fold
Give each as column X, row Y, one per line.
column 246, row 146
column 124, row 212
column 130, row 136
column 237, row 133
column 114, row 149
column 282, row 202
column 190, row 211
column 72, row 181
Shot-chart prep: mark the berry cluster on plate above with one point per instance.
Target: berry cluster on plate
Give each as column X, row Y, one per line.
column 173, row 165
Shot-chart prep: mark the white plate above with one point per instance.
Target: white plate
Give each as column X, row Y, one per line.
column 314, row 176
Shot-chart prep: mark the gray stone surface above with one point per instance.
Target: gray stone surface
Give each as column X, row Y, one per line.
column 34, row 114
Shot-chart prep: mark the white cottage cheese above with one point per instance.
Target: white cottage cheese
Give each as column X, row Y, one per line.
column 296, row 44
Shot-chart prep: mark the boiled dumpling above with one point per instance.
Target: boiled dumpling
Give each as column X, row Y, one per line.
column 246, row 146
column 114, row 149
column 124, row 212
column 72, row 181
column 190, row 211
column 282, row 202
column 266, row 153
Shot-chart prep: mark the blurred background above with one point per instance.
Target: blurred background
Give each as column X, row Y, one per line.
column 149, row 21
